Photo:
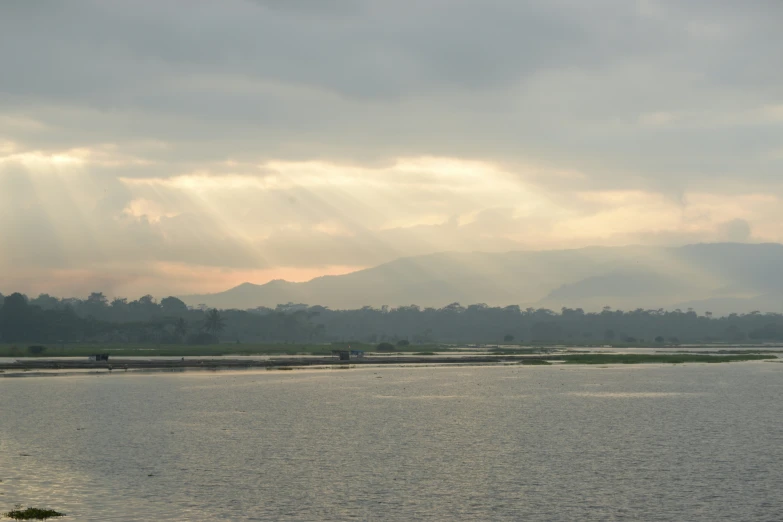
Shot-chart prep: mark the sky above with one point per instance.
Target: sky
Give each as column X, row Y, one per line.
column 187, row 146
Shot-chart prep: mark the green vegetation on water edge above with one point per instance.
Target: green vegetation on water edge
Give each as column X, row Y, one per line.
column 638, row 358
column 534, row 362
column 521, row 351
column 731, row 352
column 32, row 514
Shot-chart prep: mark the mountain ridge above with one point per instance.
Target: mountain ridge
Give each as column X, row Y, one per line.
column 627, row 276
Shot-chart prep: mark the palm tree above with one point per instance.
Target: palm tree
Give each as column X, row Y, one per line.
column 213, row 322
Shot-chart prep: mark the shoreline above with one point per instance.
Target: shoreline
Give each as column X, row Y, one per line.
column 120, row 364
column 80, row 366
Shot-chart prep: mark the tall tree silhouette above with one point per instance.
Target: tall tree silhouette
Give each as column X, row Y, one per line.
column 213, row 322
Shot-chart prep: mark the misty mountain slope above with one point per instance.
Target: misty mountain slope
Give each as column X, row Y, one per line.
column 621, row 277
column 751, row 269
column 623, row 284
column 719, row 277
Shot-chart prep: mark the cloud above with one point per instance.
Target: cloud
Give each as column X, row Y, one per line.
column 258, row 135
column 736, row 230
column 500, row 79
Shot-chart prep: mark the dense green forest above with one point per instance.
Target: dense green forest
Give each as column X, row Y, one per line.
column 47, row 319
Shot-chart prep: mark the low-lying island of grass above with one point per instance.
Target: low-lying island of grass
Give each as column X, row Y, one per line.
column 661, row 358
column 32, row 513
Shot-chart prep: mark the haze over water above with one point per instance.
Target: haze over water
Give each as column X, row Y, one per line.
column 649, row 442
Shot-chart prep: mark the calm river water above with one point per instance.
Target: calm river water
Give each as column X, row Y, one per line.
column 647, row 442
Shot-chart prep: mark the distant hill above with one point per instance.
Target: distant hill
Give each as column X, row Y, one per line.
column 721, row 274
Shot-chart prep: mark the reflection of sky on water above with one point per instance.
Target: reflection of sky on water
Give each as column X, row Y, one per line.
column 441, row 443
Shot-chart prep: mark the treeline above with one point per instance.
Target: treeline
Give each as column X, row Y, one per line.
column 47, row 319
column 479, row 323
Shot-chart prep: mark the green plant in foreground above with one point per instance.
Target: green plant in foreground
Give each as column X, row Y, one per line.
column 32, row 513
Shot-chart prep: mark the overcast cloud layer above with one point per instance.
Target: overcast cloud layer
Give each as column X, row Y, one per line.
column 186, row 146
